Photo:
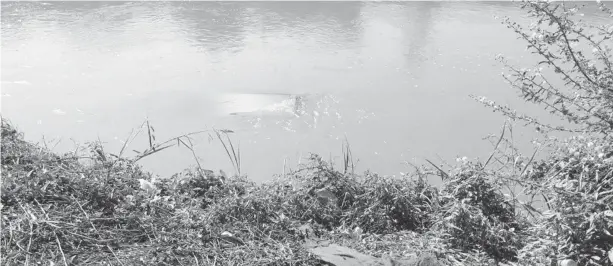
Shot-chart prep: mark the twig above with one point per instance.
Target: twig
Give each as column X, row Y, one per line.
column 85, row 213
column 196, row 258
column 232, row 160
column 29, row 245
column 236, row 158
column 149, row 152
column 59, row 245
column 443, row 174
column 30, row 239
column 443, row 161
column 191, row 148
column 110, row 249
column 497, row 143
column 530, row 161
column 77, row 146
column 125, row 143
column 179, row 261
column 45, row 143
column 149, row 135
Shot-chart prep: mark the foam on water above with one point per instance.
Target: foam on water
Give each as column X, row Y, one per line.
column 262, row 104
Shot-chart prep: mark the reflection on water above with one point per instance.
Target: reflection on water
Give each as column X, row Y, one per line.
column 224, row 26
column 420, row 31
column 288, row 77
column 328, row 23
column 214, row 26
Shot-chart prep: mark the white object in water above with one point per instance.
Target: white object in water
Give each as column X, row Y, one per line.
column 59, row 112
column 611, row 255
column 20, row 82
column 268, row 104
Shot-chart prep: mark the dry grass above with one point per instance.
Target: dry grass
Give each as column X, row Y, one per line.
column 91, row 210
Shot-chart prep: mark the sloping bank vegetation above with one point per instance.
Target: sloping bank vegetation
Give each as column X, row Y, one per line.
column 101, row 209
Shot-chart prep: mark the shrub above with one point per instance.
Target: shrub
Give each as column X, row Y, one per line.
column 574, row 77
column 577, row 183
column 574, row 81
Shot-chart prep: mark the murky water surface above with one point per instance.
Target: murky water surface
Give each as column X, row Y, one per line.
column 287, row 77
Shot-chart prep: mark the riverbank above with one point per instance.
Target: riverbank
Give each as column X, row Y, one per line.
column 97, row 209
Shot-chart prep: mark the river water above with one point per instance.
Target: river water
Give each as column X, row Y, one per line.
column 288, row 78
